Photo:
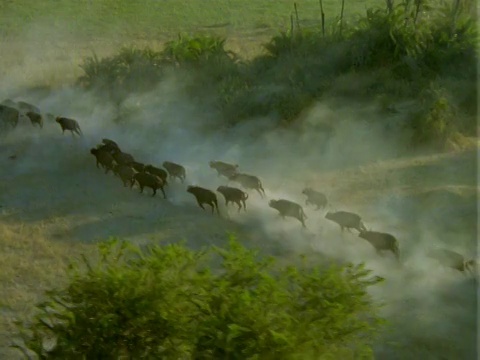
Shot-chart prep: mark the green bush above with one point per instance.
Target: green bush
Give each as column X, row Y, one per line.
column 397, row 52
column 434, row 122
column 131, row 69
column 171, row 302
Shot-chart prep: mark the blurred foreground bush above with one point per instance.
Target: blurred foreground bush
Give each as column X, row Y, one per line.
column 173, row 303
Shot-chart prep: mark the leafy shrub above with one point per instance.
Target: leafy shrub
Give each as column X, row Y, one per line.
column 171, row 302
column 434, row 123
column 131, row 69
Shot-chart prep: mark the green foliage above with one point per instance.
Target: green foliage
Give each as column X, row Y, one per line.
column 228, row 303
column 434, row 123
column 131, row 70
column 397, row 51
column 193, row 49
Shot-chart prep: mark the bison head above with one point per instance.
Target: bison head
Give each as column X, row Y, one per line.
column 306, row 191
column 272, row 203
column 329, row 215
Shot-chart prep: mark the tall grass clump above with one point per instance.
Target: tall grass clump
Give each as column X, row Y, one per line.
column 219, row 303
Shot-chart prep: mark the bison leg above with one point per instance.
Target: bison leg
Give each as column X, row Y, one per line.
column 200, row 204
column 258, row 190
column 303, row 222
column 213, row 206
column 141, row 188
column 239, row 206
column 154, row 191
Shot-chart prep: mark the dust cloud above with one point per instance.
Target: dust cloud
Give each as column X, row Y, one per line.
column 431, row 309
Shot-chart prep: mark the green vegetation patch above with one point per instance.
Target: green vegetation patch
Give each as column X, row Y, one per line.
column 228, row 303
column 396, row 54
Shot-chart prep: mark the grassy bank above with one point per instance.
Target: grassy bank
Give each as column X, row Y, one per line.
column 423, row 55
column 149, row 19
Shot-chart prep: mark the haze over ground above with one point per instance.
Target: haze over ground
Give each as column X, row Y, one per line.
column 56, row 203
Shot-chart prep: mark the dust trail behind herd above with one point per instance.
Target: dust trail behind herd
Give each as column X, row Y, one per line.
column 425, row 202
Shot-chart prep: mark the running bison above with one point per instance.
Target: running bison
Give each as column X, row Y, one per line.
column 26, row 107
column 162, row 174
column 148, row 180
column 248, row 182
column 315, row 198
column 138, row 166
column 234, row 195
column 224, row 168
column 35, row 118
column 8, row 116
column 9, row 103
column 204, row 196
column 123, row 157
column 289, row 208
column 110, row 145
column 69, row 124
column 125, row 173
column 346, row 220
column 452, row 259
column 175, row 170
column 381, row 242
column 104, row 158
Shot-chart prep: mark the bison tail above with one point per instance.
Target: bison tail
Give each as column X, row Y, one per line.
column 362, row 226
column 396, row 251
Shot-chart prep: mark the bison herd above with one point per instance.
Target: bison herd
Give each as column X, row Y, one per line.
column 131, row 172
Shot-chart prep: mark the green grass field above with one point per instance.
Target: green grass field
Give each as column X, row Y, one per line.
column 158, row 19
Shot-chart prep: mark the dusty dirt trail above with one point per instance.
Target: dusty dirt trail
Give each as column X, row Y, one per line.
column 54, row 204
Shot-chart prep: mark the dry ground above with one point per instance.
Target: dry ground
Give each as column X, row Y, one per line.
column 56, row 204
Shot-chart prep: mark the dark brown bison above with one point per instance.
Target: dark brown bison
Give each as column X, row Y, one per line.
column 104, row 158
column 8, row 116
column 204, row 196
column 148, row 180
column 125, row 173
column 224, row 168
column 69, row 124
column 175, row 170
column 111, row 145
column 315, row 198
column 248, row 182
column 162, row 174
column 381, row 242
column 454, row 260
column 9, row 103
column 346, row 220
column 234, row 195
column 26, row 107
column 289, row 208
column 35, row 118
column 138, row 166
column 122, row 157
